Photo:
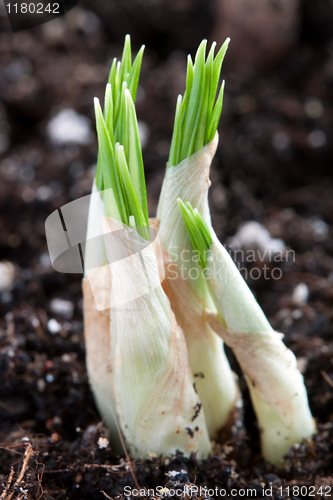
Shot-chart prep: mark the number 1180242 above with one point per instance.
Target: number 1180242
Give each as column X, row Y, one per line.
column 32, row 8
column 306, row 491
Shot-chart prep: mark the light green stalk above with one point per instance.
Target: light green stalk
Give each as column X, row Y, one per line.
column 193, row 147
column 118, row 103
column 158, row 409
column 150, row 390
column 276, row 386
column 109, row 198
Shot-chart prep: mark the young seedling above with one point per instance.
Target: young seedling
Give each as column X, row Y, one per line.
column 193, row 146
column 141, row 365
column 123, row 75
column 276, row 386
column 150, row 387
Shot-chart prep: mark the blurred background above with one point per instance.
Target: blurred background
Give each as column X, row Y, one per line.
column 273, row 166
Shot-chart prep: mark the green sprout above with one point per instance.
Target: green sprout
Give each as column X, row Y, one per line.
column 120, row 172
column 198, row 231
column 193, row 146
column 198, row 112
column 136, row 353
column 276, row 386
column 141, row 370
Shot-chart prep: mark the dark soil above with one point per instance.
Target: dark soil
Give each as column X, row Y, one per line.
column 274, row 165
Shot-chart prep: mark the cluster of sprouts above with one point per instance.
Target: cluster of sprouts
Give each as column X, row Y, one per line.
column 154, row 329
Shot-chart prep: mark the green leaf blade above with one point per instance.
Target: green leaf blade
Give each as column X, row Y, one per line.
column 126, row 60
column 120, row 171
column 111, row 178
column 215, row 116
column 198, row 231
column 132, row 199
column 133, row 79
column 134, row 154
column 197, row 119
column 108, row 110
column 194, row 105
